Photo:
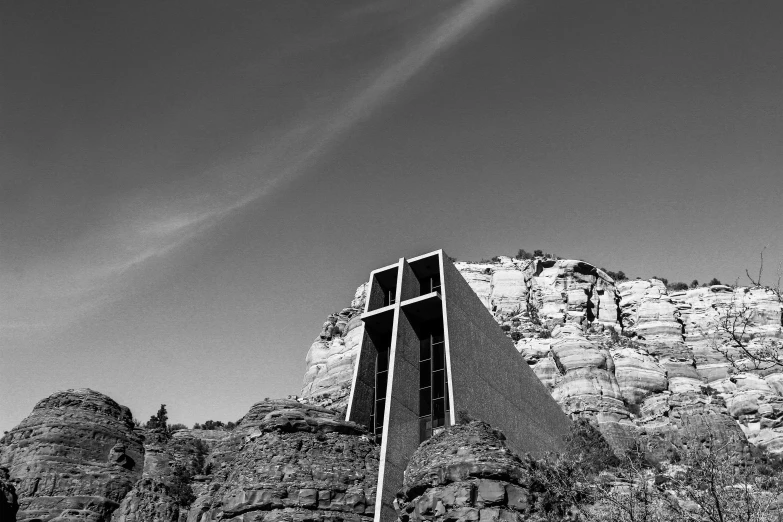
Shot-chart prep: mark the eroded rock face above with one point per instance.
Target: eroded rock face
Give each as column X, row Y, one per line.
column 289, row 461
column 605, row 348
column 465, row 473
column 74, row 457
column 149, row 501
column 9, row 502
column 330, row 359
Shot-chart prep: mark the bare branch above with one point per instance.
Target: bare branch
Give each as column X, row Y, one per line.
column 757, row 282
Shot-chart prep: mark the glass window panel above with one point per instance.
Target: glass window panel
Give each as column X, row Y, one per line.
column 425, row 374
column 438, row 357
column 425, row 429
column 381, row 384
column 424, row 349
column 383, row 361
column 380, row 405
column 437, row 337
column 438, row 409
column 425, row 401
column 438, row 385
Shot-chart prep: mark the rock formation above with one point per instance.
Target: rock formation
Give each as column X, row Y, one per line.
column 74, row 457
column 150, row 500
column 465, row 472
column 290, row 461
column 9, row 503
column 613, row 351
column 331, row 358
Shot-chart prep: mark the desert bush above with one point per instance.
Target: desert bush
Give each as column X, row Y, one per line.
column 180, row 487
column 710, row 483
column 678, row 286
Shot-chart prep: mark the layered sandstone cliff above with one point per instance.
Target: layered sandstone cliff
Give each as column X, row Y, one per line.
column 632, row 355
column 75, row 456
column 290, row 461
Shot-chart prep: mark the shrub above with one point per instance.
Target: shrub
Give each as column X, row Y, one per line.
column 714, row 281
column 545, row 334
column 694, row 283
column 180, row 486
column 538, row 253
column 505, row 327
column 678, row 286
column 516, row 336
column 523, row 254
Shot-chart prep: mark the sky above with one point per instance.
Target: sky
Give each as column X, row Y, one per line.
column 188, row 189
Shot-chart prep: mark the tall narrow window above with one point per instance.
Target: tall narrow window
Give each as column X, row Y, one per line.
column 433, row 384
column 389, row 297
column 430, row 284
column 379, row 402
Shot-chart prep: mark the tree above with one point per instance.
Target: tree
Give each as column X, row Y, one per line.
column 538, row 253
column 733, row 337
column 711, row 482
column 159, row 420
column 714, row 281
column 180, row 487
column 695, row 283
column 523, row 254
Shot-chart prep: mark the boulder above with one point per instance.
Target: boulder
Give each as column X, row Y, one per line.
column 466, row 472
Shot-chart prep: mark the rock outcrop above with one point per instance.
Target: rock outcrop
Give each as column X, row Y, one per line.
column 149, row 501
column 608, row 349
column 74, row 457
column 290, row 461
column 465, row 472
column 9, row 502
column 330, row 359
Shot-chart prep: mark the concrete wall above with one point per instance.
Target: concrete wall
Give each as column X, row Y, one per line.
column 401, row 436
column 490, row 380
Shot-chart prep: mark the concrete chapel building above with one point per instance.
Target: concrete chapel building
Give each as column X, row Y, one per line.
column 431, row 349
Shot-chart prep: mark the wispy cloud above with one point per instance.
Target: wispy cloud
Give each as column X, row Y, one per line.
column 96, row 271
